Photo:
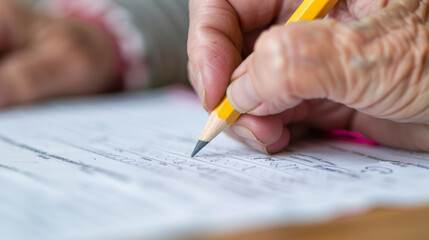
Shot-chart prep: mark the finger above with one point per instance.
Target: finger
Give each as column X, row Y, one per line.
column 195, row 79
column 284, row 58
column 363, row 8
column 29, row 76
column 266, row 134
column 42, row 72
column 341, row 12
column 215, row 40
column 366, row 65
column 18, row 74
column 214, row 47
column 297, row 114
column 281, row 143
column 324, row 115
column 401, row 135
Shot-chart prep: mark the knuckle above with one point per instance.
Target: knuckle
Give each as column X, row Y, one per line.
column 271, row 46
column 386, row 59
column 270, row 63
column 293, row 61
column 410, row 75
column 352, row 63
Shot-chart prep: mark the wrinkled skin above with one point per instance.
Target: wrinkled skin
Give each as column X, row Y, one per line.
column 366, row 69
column 43, row 57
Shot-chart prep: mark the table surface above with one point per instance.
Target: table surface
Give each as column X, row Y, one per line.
column 392, row 224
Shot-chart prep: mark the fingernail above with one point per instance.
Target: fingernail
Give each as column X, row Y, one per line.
column 242, row 96
column 247, row 134
column 201, row 89
column 203, row 99
column 250, row 138
column 270, row 150
column 257, row 146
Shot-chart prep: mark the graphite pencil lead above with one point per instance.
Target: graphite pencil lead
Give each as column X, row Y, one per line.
column 200, row 145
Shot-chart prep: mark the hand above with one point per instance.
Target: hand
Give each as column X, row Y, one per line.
column 44, row 57
column 367, row 66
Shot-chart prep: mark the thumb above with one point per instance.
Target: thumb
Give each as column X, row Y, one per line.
column 367, row 65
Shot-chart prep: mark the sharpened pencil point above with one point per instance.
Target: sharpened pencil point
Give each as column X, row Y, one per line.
column 200, row 145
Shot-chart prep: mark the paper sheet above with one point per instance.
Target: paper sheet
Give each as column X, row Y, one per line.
column 118, row 167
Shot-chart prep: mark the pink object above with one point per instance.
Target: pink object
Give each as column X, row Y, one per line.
column 349, row 136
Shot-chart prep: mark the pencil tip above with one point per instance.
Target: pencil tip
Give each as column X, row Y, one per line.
column 200, row 145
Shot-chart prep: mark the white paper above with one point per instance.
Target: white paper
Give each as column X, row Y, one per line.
column 118, row 167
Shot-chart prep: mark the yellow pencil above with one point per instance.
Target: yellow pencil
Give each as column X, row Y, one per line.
column 224, row 114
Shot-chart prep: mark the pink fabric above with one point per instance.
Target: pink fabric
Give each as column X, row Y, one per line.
column 349, row 136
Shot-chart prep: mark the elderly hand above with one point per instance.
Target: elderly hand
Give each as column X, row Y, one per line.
column 44, row 57
column 363, row 70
